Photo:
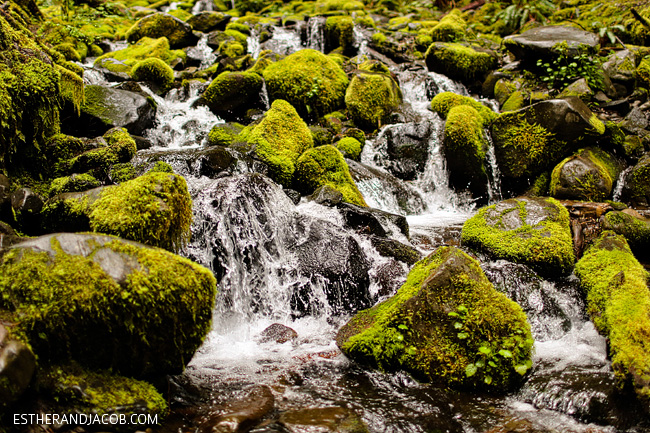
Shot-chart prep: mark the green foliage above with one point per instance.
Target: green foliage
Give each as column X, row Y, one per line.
column 520, row 12
column 564, row 69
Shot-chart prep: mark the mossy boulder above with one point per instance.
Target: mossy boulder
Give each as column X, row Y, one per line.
column 632, row 226
column 208, row 21
column 350, row 147
column 309, row 80
column 155, row 209
column 279, row 139
column 68, row 211
column 325, row 165
column 74, row 183
column 120, row 147
column 143, row 49
column 636, row 189
column 372, row 97
column 587, row 175
column 232, row 94
column 106, row 303
column 443, row 102
column 159, row 25
column 74, row 388
column 448, row 325
column 531, row 140
column 223, row 134
column 460, row 62
column 451, row 28
column 465, row 145
column 532, row 231
column 339, row 32
column 618, row 302
column 155, row 71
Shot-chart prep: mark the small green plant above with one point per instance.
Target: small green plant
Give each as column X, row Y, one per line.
column 410, row 350
column 521, row 12
column 610, row 32
column 566, row 68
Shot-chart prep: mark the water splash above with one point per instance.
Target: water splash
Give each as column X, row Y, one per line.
column 620, row 184
column 203, row 52
column 253, row 43
column 284, row 41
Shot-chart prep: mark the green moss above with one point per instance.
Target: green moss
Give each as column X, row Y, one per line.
column 325, row 165
column 350, row 147
column 459, row 62
column 154, row 70
column 309, row 80
column 339, row 32
column 68, row 212
column 122, row 172
column 68, row 51
column 593, row 184
column 279, row 139
column 437, row 323
column 642, row 73
column 514, row 102
column 543, row 243
column 232, row 93
column 224, row 134
column 154, row 209
column 239, row 27
column 371, row 98
column 161, row 167
column 67, row 306
column 161, row 25
column 74, row 183
column 635, row 230
column 451, row 28
column 143, row 49
column 523, row 148
column 445, row 101
column 99, row 392
column 618, row 302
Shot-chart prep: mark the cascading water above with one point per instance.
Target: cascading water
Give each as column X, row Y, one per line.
column 316, row 33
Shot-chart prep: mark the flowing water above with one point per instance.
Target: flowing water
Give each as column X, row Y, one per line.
column 301, row 266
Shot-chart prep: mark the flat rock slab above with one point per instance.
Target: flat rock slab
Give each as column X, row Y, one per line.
column 540, row 42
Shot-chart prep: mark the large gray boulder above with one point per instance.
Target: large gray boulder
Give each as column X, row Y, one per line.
column 541, row 42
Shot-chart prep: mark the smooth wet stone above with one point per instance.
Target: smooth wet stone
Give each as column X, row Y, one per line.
column 540, row 42
column 278, row 333
column 243, row 413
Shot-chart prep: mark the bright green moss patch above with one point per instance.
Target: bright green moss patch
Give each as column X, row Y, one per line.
column 74, row 183
column 618, row 301
column 155, row 209
column 72, row 87
column 350, row 147
column 451, row 28
column 448, row 325
column 371, row 98
column 154, row 70
column 106, row 303
column 532, row 231
column 325, row 165
column 339, row 32
column 459, row 62
column 636, row 230
column 143, row 49
column 279, row 139
column 309, row 80
column 160, row 25
column 445, row 101
column 122, row 172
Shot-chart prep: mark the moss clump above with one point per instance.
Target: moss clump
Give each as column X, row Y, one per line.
column 160, row 25
column 459, row 62
column 445, row 101
column 161, row 167
column 635, row 230
column 232, row 94
column 224, row 134
column 350, row 147
column 122, row 172
column 121, row 148
column 523, row 148
column 372, row 97
column 514, row 102
column 325, row 165
column 106, row 303
column 642, row 73
column 618, row 301
column 74, row 183
column 72, row 87
column 637, row 183
column 446, row 324
column 532, row 231
column 68, row 212
column 59, row 149
column 309, row 80
column 154, row 70
column 339, row 32
column 155, row 209
column 145, row 48
column 451, row 28
column 99, row 392
column 279, row 139
column 465, row 146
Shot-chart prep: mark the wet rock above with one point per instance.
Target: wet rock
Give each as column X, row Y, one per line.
column 532, row 231
column 27, row 206
column 540, row 42
column 105, row 108
column 580, row 89
column 327, row 196
column 636, row 122
column 6, row 210
column 416, row 329
column 277, row 333
column 100, row 302
column 17, row 366
column 323, row 419
column 620, row 66
column 636, row 189
column 293, row 195
column 407, row 147
column 242, row 414
column 160, row 24
column 208, row 21
column 232, row 94
column 8, row 237
column 397, row 250
column 373, row 221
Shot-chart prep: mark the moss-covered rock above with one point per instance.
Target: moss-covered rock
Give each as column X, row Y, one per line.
column 514, row 102
column 532, row 231
column 106, row 303
column 350, row 147
column 120, row 147
column 533, row 139
column 634, row 228
column 459, row 62
column 74, row 388
column 465, row 145
column 309, row 80
column 618, row 302
column 445, row 101
column 451, row 28
column 153, row 70
column 339, row 32
column 159, row 25
column 448, row 325
column 59, row 149
column 74, row 183
column 325, row 165
column 636, row 189
column 232, row 94
column 144, row 48
column 122, row 172
column 155, row 209
column 208, row 21
column 279, row 139
column 588, row 175
column 68, row 212
column 372, row 96
column 223, row 134
column 72, row 87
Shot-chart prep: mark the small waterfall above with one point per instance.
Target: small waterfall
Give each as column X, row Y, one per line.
column 284, row 41
column 620, row 183
column 265, row 96
column 178, row 123
column 494, row 174
column 203, row 6
column 316, row 33
column 202, row 51
column 253, row 43
column 170, row 7
column 360, row 41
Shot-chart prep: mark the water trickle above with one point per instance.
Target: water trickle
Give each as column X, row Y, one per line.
column 202, row 6
column 265, row 96
column 203, row 52
column 620, row 183
column 178, row 122
column 253, row 43
column 360, row 41
column 494, row 174
column 284, row 41
column 316, row 33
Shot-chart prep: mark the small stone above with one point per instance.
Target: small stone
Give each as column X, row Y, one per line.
column 278, row 333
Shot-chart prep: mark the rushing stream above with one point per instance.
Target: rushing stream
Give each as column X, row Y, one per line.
column 277, row 262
